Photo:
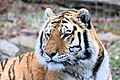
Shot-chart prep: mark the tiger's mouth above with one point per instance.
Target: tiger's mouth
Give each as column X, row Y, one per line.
column 55, row 62
column 52, row 61
column 56, row 59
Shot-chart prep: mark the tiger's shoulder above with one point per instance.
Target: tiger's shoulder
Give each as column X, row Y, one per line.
column 24, row 67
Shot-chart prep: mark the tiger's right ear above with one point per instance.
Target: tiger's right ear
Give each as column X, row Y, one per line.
column 84, row 16
column 48, row 13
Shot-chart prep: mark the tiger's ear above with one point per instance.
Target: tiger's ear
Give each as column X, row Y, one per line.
column 84, row 16
column 48, row 12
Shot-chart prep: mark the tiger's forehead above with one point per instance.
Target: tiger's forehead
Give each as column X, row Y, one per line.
column 59, row 19
column 68, row 13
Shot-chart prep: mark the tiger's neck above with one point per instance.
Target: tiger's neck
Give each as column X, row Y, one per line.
column 75, row 73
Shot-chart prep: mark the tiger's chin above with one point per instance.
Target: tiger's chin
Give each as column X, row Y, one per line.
column 55, row 66
column 51, row 65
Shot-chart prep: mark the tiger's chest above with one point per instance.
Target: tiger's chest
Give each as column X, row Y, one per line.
column 76, row 75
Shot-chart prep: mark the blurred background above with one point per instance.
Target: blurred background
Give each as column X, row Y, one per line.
column 21, row 20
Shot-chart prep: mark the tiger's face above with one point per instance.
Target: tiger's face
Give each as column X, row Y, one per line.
column 61, row 40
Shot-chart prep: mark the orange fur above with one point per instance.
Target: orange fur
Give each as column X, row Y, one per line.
column 25, row 67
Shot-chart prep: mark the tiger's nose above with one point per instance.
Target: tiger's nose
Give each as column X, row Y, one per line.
column 51, row 54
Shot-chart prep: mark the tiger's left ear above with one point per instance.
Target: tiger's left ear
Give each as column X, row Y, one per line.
column 84, row 16
column 48, row 13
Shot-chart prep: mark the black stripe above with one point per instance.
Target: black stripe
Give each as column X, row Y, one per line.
column 85, row 39
column 89, row 25
column 48, row 15
column 27, row 62
column 98, row 63
column 65, row 35
column 12, row 72
column 64, row 63
column 47, row 35
column 54, row 22
column 33, row 54
column 73, row 74
column 79, row 37
column 20, row 58
column 73, row 33
column 87, row 53
column 24, row 77
column 9, row 74
column 66, row 27
column 65, row 71
column 74, row 30
column 67, row 18
column 59, row 78
column 41, row 40
column 74, row 21
column 82, row 78
column 72, row 40
column 73, row 10
column 0, row 76
column 87, row 56
column 77, row 23
column 68, row 30
column 3, row 65
column 31, row 74
column 82, row 18
column 63, row 21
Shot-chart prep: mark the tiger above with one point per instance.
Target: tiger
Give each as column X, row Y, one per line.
column 67, row 48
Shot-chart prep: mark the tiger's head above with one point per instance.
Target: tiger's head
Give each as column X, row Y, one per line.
column 66, row 37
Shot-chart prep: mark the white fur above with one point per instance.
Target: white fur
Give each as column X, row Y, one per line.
column 55, row 66
column 48, row 13
column 103, row 72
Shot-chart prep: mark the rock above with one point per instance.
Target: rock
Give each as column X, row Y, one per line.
column 115, row 49
column 7, row 49
column 24, row 41
column 108, row 38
